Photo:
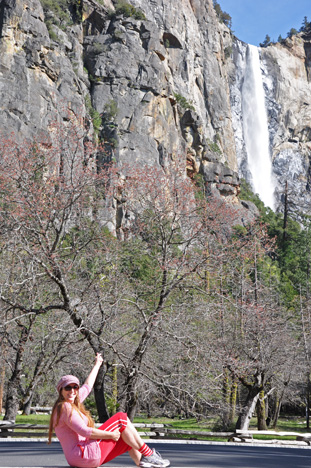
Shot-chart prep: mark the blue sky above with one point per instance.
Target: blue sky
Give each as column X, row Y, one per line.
column 253, row 19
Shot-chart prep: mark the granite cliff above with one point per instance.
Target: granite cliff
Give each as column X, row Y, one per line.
column 155, row 81
column 285, row 69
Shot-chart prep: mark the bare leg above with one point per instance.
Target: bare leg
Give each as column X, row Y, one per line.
column 131, row 436
column 135, row 456
column 133, row 439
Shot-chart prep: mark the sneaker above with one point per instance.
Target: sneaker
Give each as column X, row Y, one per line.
column 154, row 461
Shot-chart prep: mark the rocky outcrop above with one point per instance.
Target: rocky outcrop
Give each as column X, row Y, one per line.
column 40, row 79
column 155, row 71
column 157, row 81
column 288, row 79
column 285, row 69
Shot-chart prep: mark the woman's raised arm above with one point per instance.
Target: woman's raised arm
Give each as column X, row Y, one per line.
column 93, row 374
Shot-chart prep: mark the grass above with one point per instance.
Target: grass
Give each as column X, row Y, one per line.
column 33, row 419
column 295, row 424
column 292, row 425
column 206, row 425
column 43, row 419
column 186, row 424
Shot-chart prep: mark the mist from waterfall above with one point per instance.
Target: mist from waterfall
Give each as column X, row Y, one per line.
column 255, row 128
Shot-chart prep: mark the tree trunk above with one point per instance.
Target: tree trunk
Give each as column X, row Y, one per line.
column 37, row 375
column 114, row 388
column 277, row 410
column 248, row 409
column 131, row 394
column 261, row 412
column 306, row 349
column 12, row 399
column 233, row 398
column 2, row 372
column 100, row 399
column 308, row 389
column 2, row 379
column 130, row 386
column 226, row 390
column 28, row 403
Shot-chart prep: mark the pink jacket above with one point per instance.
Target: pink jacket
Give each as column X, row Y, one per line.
column 73, row 433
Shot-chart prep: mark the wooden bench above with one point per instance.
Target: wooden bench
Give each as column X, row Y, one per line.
column 247, row 437
column 41, row 409
column 151, row 430
column 11, row 429
column 161, row 431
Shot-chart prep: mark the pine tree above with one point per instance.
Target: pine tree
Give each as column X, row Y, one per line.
column 292, row 32
column 306, row 25
column 266, row 42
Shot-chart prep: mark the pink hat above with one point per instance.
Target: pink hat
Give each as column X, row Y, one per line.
column 66, row 380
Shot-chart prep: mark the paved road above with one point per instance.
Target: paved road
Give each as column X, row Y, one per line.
column 39, row 454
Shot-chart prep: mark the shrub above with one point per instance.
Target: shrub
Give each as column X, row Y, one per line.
column 213, row 146
column 111, row 110
column 183, row 103
column 57, row 12
column 94, row 114
column 126, row 9
column 228, row 52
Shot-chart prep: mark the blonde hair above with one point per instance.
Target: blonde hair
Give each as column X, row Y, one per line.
column 57, row 410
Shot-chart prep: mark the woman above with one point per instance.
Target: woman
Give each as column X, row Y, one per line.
column 82, row 443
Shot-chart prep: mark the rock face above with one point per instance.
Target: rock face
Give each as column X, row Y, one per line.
column 289, row 107
column 167, row 79
column 38, row 82
column 286, row 78
column 158, row 79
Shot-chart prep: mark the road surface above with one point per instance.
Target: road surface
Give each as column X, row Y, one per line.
column 39, row 454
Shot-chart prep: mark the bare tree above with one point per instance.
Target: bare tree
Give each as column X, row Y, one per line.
column 50, row 193
column 163, row 252
column 255, row 334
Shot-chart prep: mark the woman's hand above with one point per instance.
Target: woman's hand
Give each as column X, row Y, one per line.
column 98, row 359
column 115, row 435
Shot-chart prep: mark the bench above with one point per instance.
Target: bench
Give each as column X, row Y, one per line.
column 41, row 409
column 11, row 429
column 162, row 431
column 151, row 430
column 247, row 437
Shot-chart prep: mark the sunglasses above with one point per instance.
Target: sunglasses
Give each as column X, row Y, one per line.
column 70, row 387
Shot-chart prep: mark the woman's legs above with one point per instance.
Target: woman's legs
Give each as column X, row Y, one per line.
column 141, row 453
column 135, row 456
column 109, row 448
column 131, row 442
column 132, row 438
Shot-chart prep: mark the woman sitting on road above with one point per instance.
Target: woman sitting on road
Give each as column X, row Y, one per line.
column 83, row 444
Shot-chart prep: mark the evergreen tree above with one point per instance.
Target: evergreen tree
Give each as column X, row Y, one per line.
column 306, row 25
column 292, row 32
column 223, row 16
column 266, row 42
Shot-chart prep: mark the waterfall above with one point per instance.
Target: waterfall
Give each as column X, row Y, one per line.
column 255, row 128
